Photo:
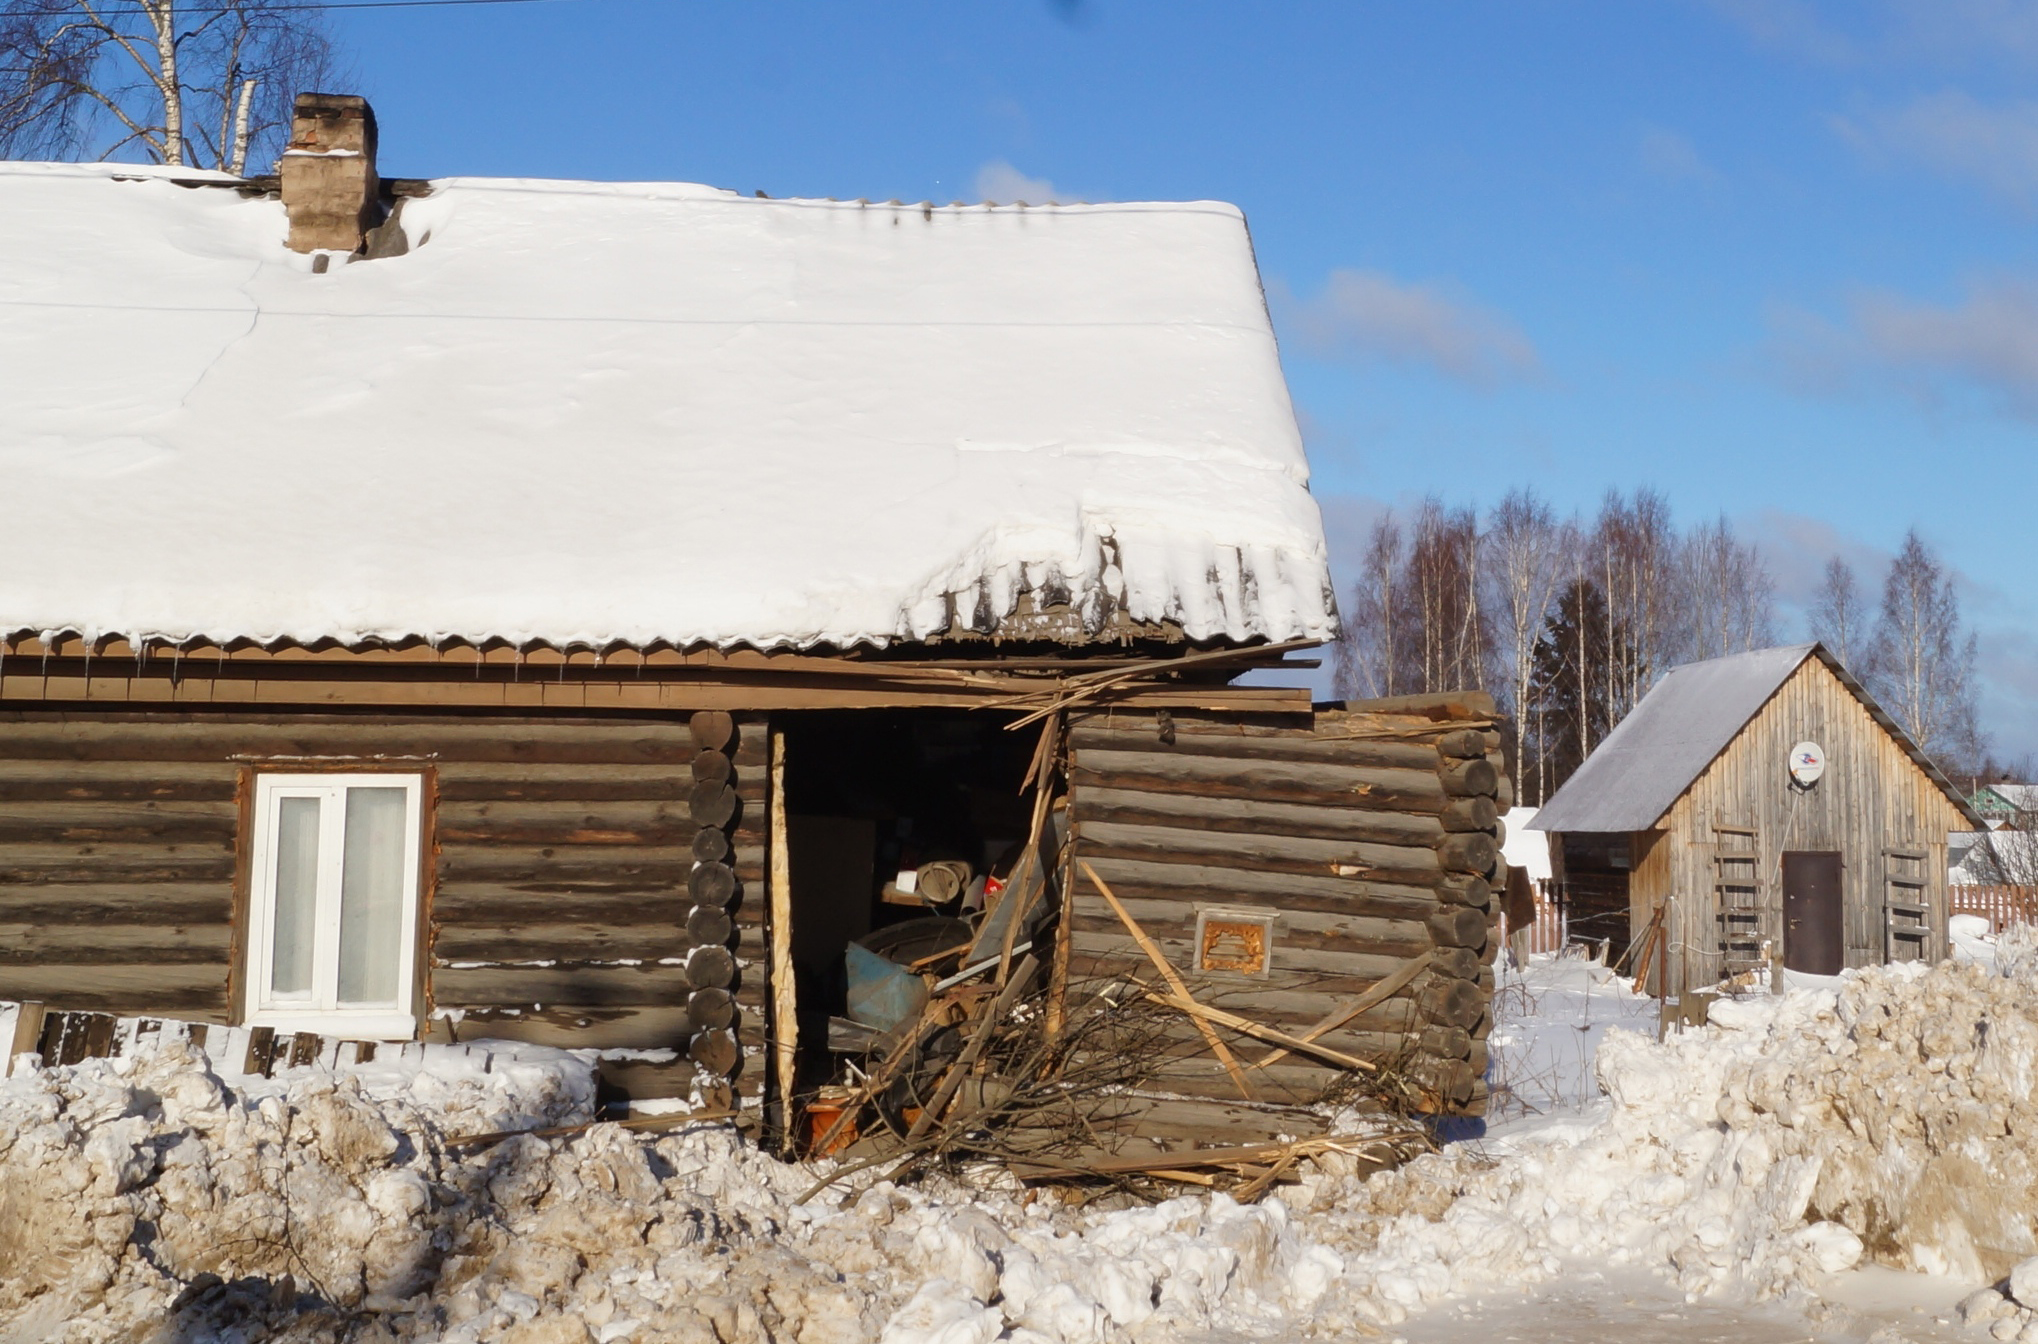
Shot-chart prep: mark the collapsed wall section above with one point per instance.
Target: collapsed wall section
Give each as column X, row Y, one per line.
column 1287, row 866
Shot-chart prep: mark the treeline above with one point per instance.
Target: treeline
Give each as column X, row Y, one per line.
column 1570, row 622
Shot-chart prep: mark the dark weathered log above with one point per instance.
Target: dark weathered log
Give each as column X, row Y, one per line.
column 581, row 1027
column 1450, row 1079
column 546, row 782
column 1458, row 926
column 1462, row 743
column 1464, row 889
column 1468, row 778
column 1282, row 781
column 572, row 987
column 1239, row 886
column 1299, row 747
column 1254, row 816
column 1268, row 854
column 710, row 1009
column 716, row 1051
column 636, row 822
column 710, row 845
column 1456, row 1003
column 709, row 924
column 560, row 935
column 710, row 967
column 1467, row 852
column 90, row 903
column 712, row 767
column 123, row 944
column 711, row 884
column 531, row 867
column 35, row 865
column 1446, row 1042
column 1469, row 814
column 712, row 729
column 711, row 804
column 1461, row 962
column 218, row 739
column 182, row 990
column 1441, row 706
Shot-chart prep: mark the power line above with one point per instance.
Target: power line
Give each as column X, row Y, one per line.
column 183, row 10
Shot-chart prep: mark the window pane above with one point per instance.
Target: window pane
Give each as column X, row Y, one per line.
column 296, row 897
column 371, row 896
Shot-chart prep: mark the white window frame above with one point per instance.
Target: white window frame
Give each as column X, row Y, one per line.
column 323, row 1014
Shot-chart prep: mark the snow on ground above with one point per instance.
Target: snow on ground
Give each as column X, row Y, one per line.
column 1731, row 1183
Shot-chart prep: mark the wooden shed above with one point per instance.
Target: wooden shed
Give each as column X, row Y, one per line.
column 1757, row 812
column 573, row 621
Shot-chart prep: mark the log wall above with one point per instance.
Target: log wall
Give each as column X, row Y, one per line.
column 564, row 896
column 1371, row 831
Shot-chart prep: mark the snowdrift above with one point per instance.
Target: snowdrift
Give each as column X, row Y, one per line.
column 1890, row 1118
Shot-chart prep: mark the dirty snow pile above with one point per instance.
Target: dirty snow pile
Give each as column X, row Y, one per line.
column 1889, row 1117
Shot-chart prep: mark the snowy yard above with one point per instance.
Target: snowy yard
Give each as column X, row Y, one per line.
column 1847, row 1161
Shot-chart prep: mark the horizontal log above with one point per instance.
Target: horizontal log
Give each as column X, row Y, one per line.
column 554, row 782
column 716, row 1051
column 625, row 907
column 1469, row 778
column 580, row 940
column 661, row 1028
column 1254, row 816
column 131, row 736
column 711, row 1008
column 1459, row 962
column 524, row 865
column 115, row 781
column 1270, row 854
column 1108, row 954
column 1464, row 743
column 1446, row 1042
column 712, row 729
column 1454, row 1003
column 1243, row 887
column 518, row 821
column 1470, row 814
column 1440, row 706
column 33, row 865
column 1282, row 781
column 561, row 987
column 1339, row 934
column 1458, row 926
column 1299, row 745
column 198, row 992
column 1466, row 852
column 96, row 944
column 156, row 903
column 1464, row 889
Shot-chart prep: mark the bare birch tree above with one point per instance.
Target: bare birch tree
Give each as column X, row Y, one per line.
column 1443, row 579
column 192, row 83
column 1918, row 666
column 1838, row 619
column 1635, row 553
column 1729, row 596
column 1372, row 648
column 1526, row 548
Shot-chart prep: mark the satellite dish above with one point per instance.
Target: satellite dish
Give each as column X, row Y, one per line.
column 1807, row 763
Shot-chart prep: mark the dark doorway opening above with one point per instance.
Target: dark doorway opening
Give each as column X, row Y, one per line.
column 873, row 797
column 1814, row 932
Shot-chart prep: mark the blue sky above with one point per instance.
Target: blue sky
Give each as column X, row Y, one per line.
column 1776, row 259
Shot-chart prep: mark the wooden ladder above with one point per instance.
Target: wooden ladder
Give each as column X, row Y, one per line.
column 1906, row 905
column 1737, row 891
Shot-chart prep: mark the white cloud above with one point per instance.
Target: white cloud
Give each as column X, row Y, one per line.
column 999, row 181
column 1669, row 155
column 1987, row 341
column 1890, row 32
column 1371, row 315
column 1956, row 135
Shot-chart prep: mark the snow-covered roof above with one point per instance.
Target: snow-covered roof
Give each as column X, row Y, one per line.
column 588, row 413
column 1685, row 721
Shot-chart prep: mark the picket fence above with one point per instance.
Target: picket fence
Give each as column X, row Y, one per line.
column 2001, row 906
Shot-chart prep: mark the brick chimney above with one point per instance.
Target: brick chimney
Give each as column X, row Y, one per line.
column 328, row 173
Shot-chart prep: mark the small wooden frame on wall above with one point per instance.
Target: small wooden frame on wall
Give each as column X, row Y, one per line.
column 1235, row 942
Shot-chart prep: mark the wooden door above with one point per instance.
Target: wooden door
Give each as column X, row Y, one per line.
column 1814, row 936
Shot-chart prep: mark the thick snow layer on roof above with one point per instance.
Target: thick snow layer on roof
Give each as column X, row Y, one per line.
column 597, row 412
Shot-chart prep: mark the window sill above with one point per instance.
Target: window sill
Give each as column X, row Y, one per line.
column 344, row 1025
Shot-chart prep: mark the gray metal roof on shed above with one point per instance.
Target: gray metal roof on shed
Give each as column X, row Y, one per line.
column 1663, row 746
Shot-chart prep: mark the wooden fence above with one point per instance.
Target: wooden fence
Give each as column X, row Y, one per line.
column 1547, row 932
column 2001, row 906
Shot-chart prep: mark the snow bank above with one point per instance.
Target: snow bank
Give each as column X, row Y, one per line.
column 639, row 412
column 1890, row 1118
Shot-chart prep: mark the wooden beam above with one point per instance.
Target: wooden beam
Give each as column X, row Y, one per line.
column 785, row 1028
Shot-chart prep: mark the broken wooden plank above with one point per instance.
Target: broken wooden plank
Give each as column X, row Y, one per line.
column 1184, row 1003
column 1168, row 973
column 951, row 1080
column 1378, row 994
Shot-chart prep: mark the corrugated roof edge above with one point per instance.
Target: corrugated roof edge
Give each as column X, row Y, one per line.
column 1868, row 702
